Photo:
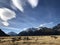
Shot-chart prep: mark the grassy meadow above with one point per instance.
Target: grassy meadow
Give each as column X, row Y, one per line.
column 30, row 40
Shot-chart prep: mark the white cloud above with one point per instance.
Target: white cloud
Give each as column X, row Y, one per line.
column 18, row 4
column 33, row 3
column 10, row 28
column 6, row 14
column 5, row 23
column 46, row 24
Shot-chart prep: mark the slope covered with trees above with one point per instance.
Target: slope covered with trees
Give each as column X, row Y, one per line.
column 3, row 33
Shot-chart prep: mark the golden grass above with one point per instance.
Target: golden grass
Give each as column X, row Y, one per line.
column 30, row 40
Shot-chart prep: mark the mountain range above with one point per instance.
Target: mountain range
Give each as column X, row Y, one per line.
column 35, row 31
column 41, row 31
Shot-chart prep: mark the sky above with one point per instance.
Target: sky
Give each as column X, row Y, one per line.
column 18, row 15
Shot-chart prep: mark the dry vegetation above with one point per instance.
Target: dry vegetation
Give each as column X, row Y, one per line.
column 30, row 40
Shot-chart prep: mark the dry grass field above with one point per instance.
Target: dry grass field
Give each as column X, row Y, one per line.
column 30, row 40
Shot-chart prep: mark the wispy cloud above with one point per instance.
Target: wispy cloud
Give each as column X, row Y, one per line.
column 33, row 3
column 46, row 24
column 5, row 23
column 10, row 28
column 18, row 4
column 5, row 15
column 21, row 3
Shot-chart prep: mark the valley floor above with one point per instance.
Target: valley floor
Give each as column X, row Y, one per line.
column 30, row 40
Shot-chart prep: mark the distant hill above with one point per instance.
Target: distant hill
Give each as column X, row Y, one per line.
column 12, row 34
column 41, row 31
column 2, row 33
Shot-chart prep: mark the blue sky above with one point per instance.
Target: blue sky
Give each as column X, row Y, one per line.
column 45, row 13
